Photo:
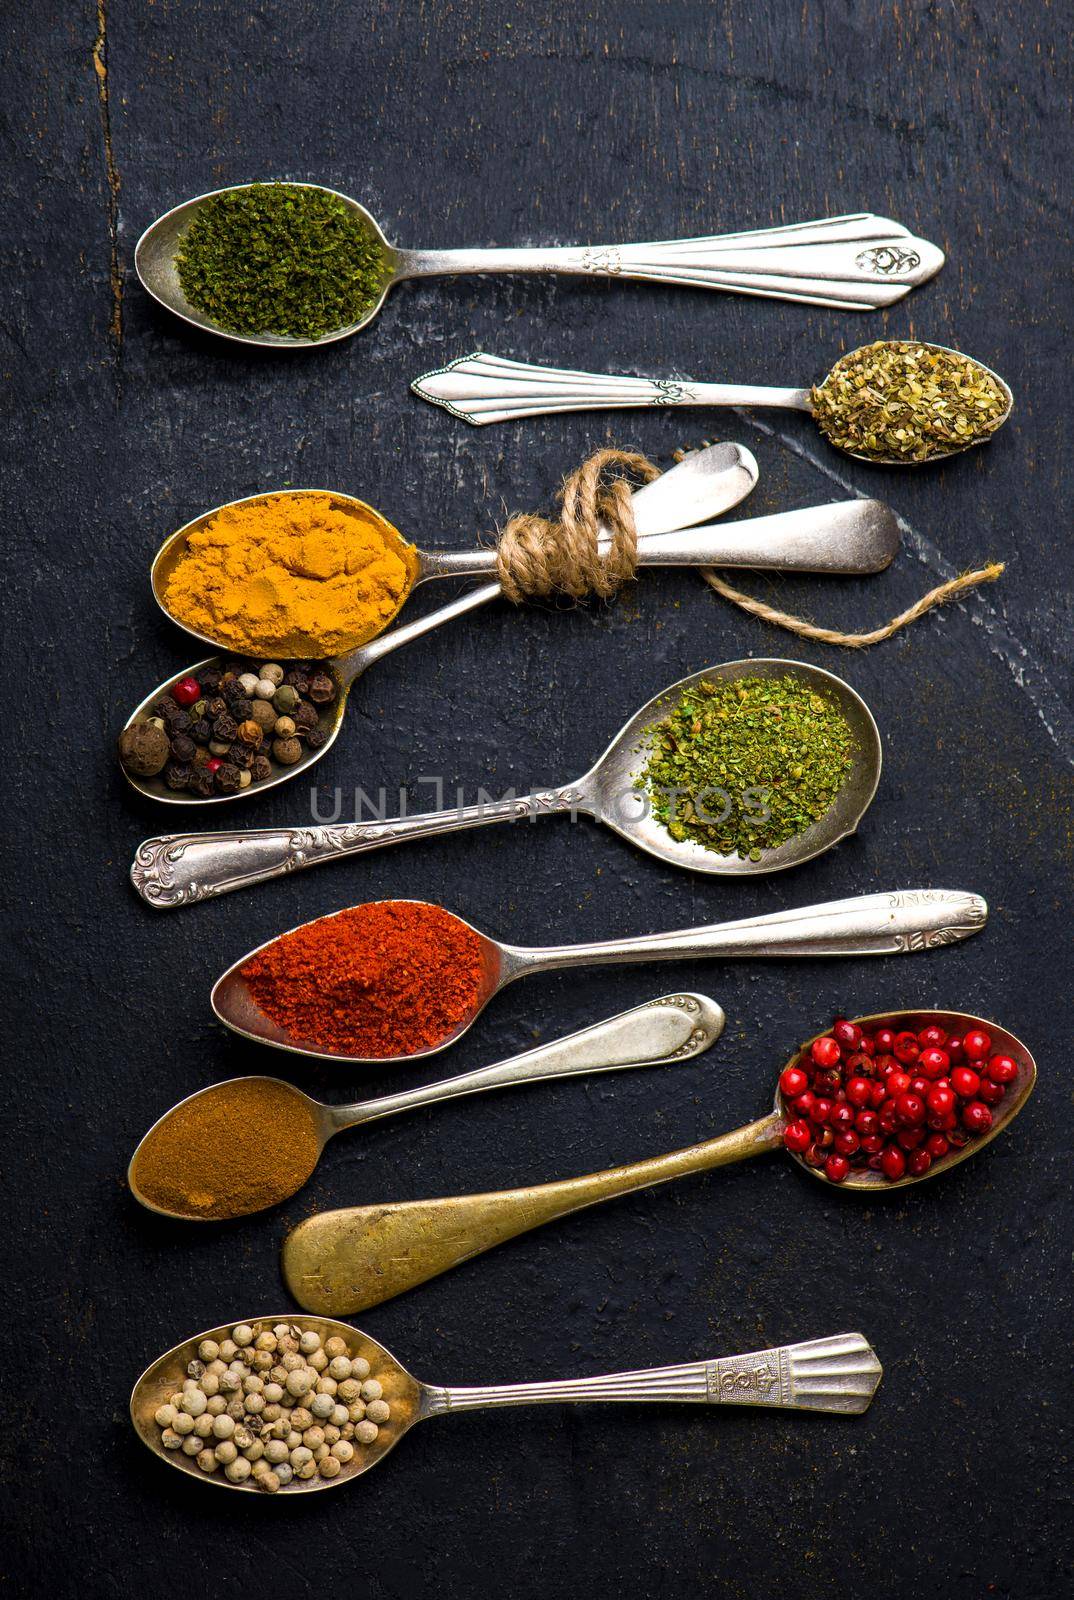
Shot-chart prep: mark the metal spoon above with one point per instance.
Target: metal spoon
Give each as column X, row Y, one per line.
column 838, row 1374
column 673, row 1028
column 179, row 869
column 339, row 1262
column 857, row 263
column 705, row 483
column 483, row 388
column 893, row 923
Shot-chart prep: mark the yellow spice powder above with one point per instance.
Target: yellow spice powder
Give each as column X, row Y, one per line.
column 291, row 575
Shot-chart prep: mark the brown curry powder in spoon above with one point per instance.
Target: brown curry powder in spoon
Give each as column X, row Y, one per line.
column 233, row 1149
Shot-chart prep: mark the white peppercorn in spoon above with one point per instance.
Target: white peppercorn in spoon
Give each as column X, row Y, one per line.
column 839, row 1374
column 894, row 923
column 340, row 1262
column 857, row 262
column 671, row 1029
column 482, row 388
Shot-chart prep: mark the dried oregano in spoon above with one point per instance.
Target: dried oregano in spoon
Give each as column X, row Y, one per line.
column 904, row 401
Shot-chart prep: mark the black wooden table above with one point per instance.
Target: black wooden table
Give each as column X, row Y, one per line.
column 503, row 123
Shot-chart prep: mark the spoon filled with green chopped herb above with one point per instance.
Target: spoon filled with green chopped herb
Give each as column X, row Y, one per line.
column 295, row 264
column 896, row 402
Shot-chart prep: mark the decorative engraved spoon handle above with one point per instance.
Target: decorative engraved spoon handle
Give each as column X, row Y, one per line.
column 859, row 262
column 339, row 1262
column 836, row 1374
column 179, row 869
column 870, row 924
column 483, row 388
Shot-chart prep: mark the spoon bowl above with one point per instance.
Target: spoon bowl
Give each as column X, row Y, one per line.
column 165, row 1376
column 894, row 923
column 955, row 1023
column 154, row 262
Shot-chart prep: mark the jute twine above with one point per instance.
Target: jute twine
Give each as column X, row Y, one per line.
column 537, row 557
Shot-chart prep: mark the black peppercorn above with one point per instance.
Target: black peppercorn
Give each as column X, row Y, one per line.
column 201, row 731
column 240, row 755
column 322, row 689
column 227, row 778
column 183, row 748
column 179, row 722
column 240, row 709
column 261, row 769
column 166, row 707
column 232, row 690
column 305, row 716
column 210, row 679
column 216, row 707
column 225, row 728
column 177, row 775
column 317, row 738
column 201, row 783
column 297, row 680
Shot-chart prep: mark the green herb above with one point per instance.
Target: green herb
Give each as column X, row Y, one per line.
column 741, row 765
column 281, row 258
column 907, row 401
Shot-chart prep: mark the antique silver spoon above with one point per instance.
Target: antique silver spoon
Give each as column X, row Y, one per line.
column 856, row 263
column 837, row 1374
column 483, row 388
column 705, row 483
column 179, row 869
column 671, row 1029
column 339, row 1262
column 892, row 923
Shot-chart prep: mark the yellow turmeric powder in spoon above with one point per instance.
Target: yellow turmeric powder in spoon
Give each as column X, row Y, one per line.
column 290, row 575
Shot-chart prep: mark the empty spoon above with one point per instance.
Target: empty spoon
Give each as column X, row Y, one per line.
column 483, row 388
column 705, row 483
column 339, row 1262
column 857, row 262
column 892, row 923
column 181, row 869
column 837, row 1374
column 673, row 1028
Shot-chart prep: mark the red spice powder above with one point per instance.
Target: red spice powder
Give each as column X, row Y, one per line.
column 385, row 979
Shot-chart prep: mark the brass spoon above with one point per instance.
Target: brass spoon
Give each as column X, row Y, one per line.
column 893, row 923
column 673, row 1028
column 483, row 388
column 180, row 869
column 859, row 262
column 838, row 1374
column 339, row 1262
column 705, row 483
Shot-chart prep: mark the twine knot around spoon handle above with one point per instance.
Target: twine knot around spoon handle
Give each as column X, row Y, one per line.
column 537, row 557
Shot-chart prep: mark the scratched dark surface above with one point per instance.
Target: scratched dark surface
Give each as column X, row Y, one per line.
column 505, row 123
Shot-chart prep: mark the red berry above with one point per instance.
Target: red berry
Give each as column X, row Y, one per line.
column 1002, row 1069
column 879, row 1095
column 846, row 1143
column 825, row 1138
column 804, row 1104
column 859, row 1091
column 955, row 1050
column 866, row 1123
column 866, row 1046
column 933, row 1062
column 910, row 1110
column 893, row 1163
column 920, row 1086
column 872, row 1144
column 822, row 1110
column 825, row 1052
column 848, row 1034
column 965, row 1082
column 186, row 691
column 910, row 1138
column 836, row 1169
column 842, row 1116
column 793, row 1081
column 991, row 1093
column 941, row 1102
column 936, row 1145
column 976, row 1117
column 884, row 1039
column 875, row 1161
column 897, row 1082
column 976, row 1044
column 932, row 1036
column 918, row 1163
column 944, row 1123
column 797, row 1136
column 957, row 1137
column 906, row 1048
column 814, row 1156
column 213, row 763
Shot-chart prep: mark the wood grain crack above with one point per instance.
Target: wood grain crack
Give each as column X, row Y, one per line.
column 115, row 275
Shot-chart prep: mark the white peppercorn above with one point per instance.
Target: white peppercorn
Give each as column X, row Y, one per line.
column 309, row 1341
column 284, row 1473
column 300, row 1457
column 325, row 1384
column 170, row 1439
column 192, row 1445
column 272, row 672
column 339, row 1415
column 343, row 1450
column 329, row 1467
column 207, row 1460
column 360, row 1367
column 223, row 1427
column 371, row 1389
column 217, row 1406
column 228, row 1348
column 273, row 1392
column 165, row 1415
column 225, row 1452
column 208, row 1350
column 210, row 1385
column 299, row 1382
column 243, row 1334
column 339, row 1368
column 335, row 1346
column 313, row 1437
column 349, row 1390
column 237, row 1471
column 275, row 1452
column 318, row 1361
column 366, row 1432
column 308, row 1471
column 203, row 1426
column 378, row 1411
column 269, row 1481
column 291, row 1362
column 183, row 1424
column 322, row 1406
column 255, row 1451
column 331, row 1433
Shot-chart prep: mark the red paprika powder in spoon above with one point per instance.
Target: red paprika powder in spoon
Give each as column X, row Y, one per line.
column 389, row 978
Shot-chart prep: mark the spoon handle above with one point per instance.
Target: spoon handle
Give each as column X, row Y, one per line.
column 859, row 263
column 482, row 388
column 339, row 1262
column 840, row 1373
column 675, row 1027
column 893, row 923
